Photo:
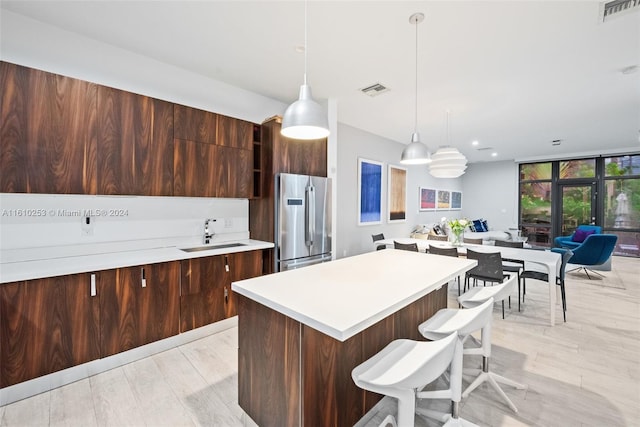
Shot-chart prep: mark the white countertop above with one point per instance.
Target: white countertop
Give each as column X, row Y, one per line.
column 342, row 298
column 50, row 262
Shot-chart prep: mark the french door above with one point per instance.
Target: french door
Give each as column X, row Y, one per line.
column 577, row 206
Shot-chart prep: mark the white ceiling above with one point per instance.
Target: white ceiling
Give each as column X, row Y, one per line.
column 514, row 75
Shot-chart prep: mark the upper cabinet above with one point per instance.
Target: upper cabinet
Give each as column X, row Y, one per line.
column 48, row 132
column 213, row 154
column 65, row 136
column 135, row 144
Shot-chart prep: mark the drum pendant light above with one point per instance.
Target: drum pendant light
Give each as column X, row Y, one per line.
column 416, row 153
column 447, row 162
column 305, row 118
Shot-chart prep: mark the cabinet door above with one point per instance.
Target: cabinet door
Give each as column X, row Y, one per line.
column 234, row 133
column 202, row 293
column 135, row 144
column 207, row 170
column 242, row 265
column 47, row 325
column 138, row 305
column 193, row 124
column 234, row 173
column 195, row 169
column 48, row 133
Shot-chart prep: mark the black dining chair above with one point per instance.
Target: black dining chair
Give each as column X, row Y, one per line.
column 538, row 275
column 377, row 237
column 489, row 269
column 413, row 247
column 512, row 265
column 471, row 241
column 436, row 237
column 453, row 252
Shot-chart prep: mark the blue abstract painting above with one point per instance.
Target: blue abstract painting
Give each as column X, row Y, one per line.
column 369, row 192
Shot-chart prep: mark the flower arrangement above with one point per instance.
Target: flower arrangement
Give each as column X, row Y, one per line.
column 457, row 227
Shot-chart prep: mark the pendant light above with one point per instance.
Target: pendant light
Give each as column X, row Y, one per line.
column 416, row 153
column 447, row 162
column 305, row 118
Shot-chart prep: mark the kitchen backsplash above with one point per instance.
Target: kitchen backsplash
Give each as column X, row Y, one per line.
column 47, row 220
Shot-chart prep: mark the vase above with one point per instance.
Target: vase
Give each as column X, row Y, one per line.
column 457, row 237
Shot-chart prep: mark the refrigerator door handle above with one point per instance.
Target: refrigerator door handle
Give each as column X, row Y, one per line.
column 310, row 216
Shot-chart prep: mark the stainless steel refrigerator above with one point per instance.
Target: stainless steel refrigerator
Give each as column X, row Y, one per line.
column 303, row 221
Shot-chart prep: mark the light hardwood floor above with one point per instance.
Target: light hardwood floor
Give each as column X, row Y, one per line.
column 585, row 372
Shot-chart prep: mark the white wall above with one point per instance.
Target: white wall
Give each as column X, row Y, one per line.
column 354, row 143
column 490, row 191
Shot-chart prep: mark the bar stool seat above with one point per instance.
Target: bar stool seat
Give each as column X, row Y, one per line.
column 404, row 366
column 464, row 322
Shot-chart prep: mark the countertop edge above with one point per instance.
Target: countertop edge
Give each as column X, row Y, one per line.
column 52, row 267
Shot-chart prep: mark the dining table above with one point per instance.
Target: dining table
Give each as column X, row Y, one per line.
column 548, row 261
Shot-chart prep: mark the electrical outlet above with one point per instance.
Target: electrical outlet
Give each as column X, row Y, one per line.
column 228, row 222
column 87, row 226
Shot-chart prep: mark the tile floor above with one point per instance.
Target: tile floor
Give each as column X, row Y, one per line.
column 582, row 373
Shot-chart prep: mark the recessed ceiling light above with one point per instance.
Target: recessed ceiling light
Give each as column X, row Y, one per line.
column 494, row 154
column 474, row 143
column 299, row 48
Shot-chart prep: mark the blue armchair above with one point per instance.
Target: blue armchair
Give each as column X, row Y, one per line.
column 595, row 250
column 575, row 240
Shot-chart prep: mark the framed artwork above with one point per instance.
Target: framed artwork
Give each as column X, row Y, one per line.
column 369, row 192
column 397, row 194
column 456, row 200
column 427, row 199
column 444, row 200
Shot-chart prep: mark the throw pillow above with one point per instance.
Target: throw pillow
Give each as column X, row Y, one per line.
column 479, row 225
column 485, row 226
column 580, row 235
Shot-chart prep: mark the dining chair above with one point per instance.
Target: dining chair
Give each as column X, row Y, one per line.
column 538, row 275
column 512, row 265
column 471, row 241
column 436, row 237
column 378, row 237
column 489, row 269
column 453, row 252
column 413, row 247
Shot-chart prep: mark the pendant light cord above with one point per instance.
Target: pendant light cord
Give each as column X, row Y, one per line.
column 305, row 42
column 415, row 119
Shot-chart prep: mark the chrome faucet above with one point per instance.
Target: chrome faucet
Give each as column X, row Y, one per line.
column 208, row 230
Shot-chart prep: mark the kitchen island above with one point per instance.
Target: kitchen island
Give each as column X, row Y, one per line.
column 301, row 332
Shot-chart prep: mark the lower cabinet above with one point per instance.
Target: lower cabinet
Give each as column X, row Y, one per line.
column 206, row 294
column 138, row 305
column 54, row 323
column 47, row 325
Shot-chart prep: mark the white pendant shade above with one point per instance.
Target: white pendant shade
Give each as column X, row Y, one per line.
column 305, row 118
column 415, row 153
column 447, row 162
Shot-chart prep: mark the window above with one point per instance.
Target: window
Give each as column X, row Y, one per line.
column 584, row 168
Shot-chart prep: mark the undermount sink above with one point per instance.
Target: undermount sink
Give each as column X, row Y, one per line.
column 213, row 247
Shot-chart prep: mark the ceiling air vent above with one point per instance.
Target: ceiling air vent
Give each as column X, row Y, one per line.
column 376, row 89
column 615, row 8
column 484, row 148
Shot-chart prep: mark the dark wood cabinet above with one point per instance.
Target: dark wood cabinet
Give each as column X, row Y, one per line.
column 192, row 124
column 281, row 155
column 234, row 133
column 135, row 144
column 48, row 132
column 47, row 325
column 206, row 295
column 208, row 170
column 138, row 305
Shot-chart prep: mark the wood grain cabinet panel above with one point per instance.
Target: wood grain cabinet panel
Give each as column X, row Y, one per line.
column 135, row 144
column 242, row 265
column 207, row 170
column 202, row 296
column 234, row 133
column 48, row 132
column 47, row 325
column 193, row 124
column 138, row 305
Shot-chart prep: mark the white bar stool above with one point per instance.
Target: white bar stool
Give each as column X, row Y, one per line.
column 466, row 321
column 403, row 366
